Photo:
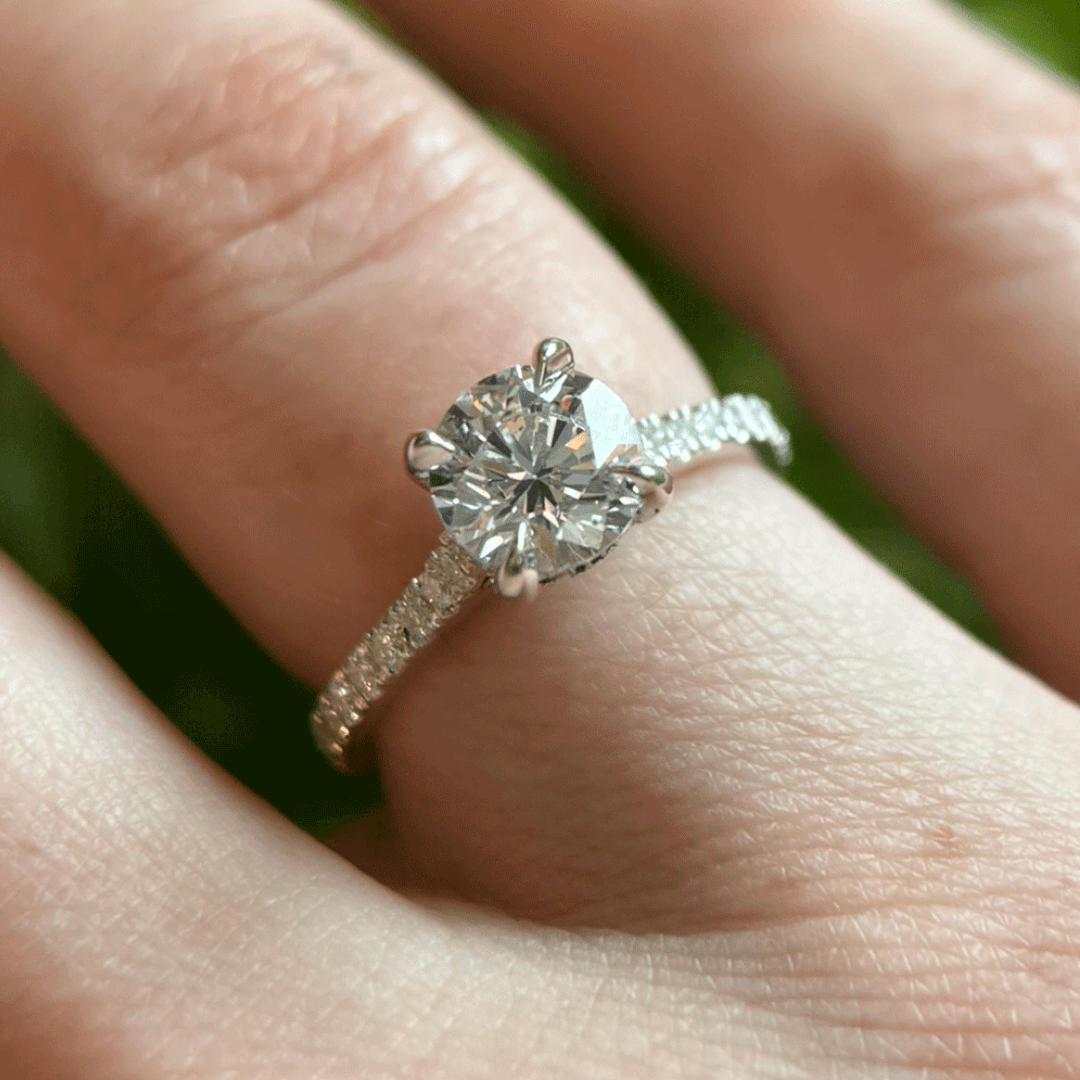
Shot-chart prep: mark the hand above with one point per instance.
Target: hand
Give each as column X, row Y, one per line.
column 733, row 804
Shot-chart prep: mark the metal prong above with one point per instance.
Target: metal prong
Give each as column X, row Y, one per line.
column 553, row 357
column 427, row 450
column 653, row 483
column 514, row 580
column 781, row 448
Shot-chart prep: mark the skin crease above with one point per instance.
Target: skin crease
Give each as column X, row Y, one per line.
column 733, row 804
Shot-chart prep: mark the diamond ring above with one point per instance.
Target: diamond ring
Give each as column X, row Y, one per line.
column 536, row 473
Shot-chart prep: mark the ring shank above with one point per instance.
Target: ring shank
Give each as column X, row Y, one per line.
column 430, row 600
column 695, row 431
column 450, row 577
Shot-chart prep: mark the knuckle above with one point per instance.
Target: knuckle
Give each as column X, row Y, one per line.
column 1006, row 209
column 275, row 165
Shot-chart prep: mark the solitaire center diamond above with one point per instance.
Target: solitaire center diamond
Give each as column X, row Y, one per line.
column 535, row 468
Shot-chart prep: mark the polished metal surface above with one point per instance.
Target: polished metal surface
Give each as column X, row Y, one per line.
column 553, row 357
column 514, row 580
column 653, row 483
column 427, row 450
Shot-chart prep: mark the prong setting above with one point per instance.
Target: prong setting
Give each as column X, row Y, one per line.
column 653, row 483
column 425, row 451
column 536, row 472
column 514, row 580
column 553, row 357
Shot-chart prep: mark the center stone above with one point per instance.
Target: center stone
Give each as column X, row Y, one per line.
column 534, row 469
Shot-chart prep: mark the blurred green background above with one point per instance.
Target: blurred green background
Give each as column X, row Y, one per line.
column 72, row 525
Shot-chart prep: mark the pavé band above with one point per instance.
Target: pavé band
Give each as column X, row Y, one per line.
column 451, row 575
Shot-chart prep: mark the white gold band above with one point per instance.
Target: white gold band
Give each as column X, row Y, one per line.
column 450, row 576
column 683, row 435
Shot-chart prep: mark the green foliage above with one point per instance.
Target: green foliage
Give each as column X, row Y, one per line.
column 1049, row 29
column 67, row 519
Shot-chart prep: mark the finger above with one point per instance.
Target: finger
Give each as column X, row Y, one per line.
column 250, row 347
column 158, row 922
column 890, row 197
column 742, row 721
column 161, row 918
column 249, row 264
column 167, row 925
column 261, row 415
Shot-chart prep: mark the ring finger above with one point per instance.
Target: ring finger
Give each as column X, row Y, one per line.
column 248, row 264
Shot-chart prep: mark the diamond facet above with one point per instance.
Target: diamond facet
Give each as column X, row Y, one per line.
column 533, row 471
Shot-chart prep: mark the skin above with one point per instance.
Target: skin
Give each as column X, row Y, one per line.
column 733, row 804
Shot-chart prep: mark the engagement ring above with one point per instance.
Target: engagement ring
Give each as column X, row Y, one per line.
column 536, row 473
